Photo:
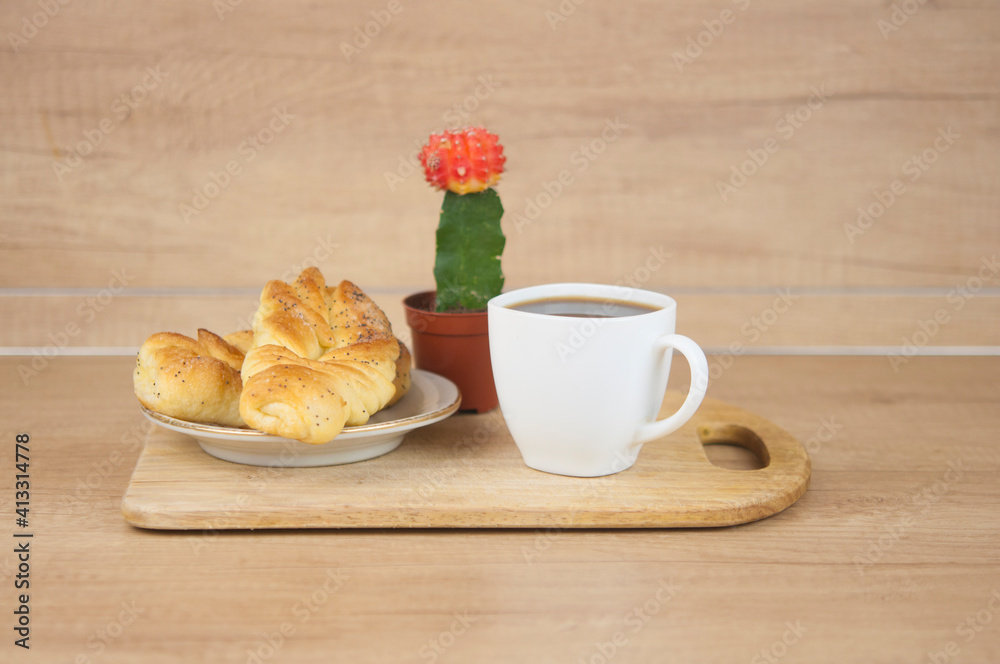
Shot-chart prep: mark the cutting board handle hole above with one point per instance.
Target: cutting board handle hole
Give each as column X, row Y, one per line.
column 733, row 447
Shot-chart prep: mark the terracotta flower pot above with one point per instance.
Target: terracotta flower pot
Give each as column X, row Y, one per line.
column 456, row 346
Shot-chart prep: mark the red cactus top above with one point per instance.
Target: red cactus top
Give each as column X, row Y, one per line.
column 464, row 161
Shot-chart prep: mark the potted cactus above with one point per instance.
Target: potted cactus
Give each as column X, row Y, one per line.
column 449, row 324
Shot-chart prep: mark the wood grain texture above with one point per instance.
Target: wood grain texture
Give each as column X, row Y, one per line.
column 549, row 90
column 466, row 472
column 884, row 546
column 889, row 546
column 713, row 320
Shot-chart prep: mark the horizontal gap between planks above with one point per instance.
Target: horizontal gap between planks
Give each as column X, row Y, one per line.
column 834, row 351
column 901, row 291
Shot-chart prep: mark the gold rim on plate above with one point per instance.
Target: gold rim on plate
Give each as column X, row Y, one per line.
column 216, row 430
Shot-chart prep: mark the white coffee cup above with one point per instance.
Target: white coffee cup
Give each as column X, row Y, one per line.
column 580, row 395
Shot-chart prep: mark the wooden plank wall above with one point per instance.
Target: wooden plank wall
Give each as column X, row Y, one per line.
column 117, row 115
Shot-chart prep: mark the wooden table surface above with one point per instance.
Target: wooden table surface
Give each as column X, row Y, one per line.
column 741, row 156
column 892, row 554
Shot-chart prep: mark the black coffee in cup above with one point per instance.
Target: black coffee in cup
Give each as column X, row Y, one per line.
column 583, row 307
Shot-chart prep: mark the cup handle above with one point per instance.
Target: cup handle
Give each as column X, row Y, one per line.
column 699, row 383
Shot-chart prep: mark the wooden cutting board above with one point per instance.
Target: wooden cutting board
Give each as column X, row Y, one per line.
column 466, row 472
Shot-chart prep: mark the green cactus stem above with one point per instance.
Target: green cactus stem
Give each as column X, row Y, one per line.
column 469, row 244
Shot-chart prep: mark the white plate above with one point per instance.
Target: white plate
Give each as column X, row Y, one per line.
column 431, row 398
